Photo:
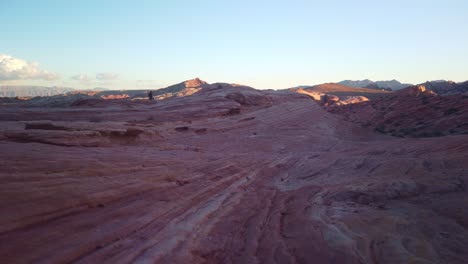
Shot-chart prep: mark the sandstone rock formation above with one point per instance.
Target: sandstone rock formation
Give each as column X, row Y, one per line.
column 228, row 174
column 315, row 95
column 341, row 90
column 328, row 99
column 411, row 112
column 345, row 100
column 417, row 90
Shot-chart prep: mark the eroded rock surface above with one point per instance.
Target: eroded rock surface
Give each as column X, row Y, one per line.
column 190, row 180
column 411, row 112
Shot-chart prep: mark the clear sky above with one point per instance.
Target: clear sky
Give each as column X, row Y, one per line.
column 264, row 44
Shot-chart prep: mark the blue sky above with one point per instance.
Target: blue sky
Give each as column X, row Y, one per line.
column 264, row 44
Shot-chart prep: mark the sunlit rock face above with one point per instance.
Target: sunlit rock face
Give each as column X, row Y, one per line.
column 228, row 174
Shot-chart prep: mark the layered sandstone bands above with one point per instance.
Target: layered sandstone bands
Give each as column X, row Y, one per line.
column 227, row 175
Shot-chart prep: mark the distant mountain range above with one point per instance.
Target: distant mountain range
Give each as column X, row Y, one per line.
column 186, row 87
column 380, row 85
column 31, row 91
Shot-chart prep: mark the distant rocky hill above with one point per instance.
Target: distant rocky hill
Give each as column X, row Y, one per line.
column 177, row 90
column 446, row 87
column 188, row 87
column 183, row 86
column 31, row 91
column 385, row 85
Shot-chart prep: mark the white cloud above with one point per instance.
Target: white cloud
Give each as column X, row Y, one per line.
column 99, row 79
column 145, row 81
column 82, row 78
column 17, row 69
column 107, row 76
column 148, row 83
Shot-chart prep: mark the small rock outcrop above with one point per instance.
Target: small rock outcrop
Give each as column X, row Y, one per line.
column 417, row 90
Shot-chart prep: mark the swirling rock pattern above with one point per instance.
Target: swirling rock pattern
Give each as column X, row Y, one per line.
column 190, row 180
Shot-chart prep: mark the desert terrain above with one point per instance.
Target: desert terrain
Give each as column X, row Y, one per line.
column 228, row 174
